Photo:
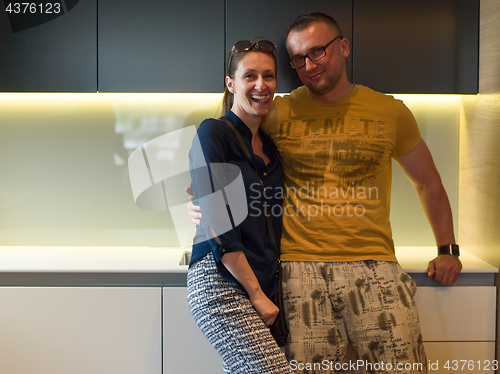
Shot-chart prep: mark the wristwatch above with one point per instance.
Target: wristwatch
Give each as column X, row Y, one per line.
column 449, row 249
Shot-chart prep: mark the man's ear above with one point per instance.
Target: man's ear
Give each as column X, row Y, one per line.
column 229, row 84
column 346, row 49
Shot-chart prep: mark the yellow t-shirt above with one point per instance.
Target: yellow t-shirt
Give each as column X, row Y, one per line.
column 337, row 163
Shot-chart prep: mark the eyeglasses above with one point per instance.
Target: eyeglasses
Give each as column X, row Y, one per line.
column 300, row 61
column 247, row 45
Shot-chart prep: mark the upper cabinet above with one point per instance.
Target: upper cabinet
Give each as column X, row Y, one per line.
column 397, row 46
column 48, row 46
column 417, row 46
column 270, row 19
column 161, row 46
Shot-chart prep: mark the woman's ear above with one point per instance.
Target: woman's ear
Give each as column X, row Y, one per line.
column 229, row 84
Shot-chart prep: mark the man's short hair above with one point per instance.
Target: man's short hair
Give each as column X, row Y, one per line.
column 304, row 21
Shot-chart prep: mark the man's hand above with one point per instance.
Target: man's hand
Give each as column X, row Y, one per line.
column 445, row 269
column 193, row 211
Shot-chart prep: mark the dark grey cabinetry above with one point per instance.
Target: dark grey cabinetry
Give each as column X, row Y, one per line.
column 417, row 46
column 49, row 48
column 270, row 19
column 398, row 46
column 161, row 46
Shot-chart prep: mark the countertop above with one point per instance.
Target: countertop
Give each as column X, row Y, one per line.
column 160, row 266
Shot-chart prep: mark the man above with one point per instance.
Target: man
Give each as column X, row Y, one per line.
column 341, row 279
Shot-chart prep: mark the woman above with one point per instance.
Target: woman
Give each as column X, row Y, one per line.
column 232, row 272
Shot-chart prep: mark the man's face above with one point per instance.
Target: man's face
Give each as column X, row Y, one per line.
column 328, row 73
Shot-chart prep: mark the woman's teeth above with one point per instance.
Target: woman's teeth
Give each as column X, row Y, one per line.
column 259, row 98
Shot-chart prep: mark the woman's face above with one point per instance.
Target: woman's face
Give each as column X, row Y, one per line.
column 253, row 85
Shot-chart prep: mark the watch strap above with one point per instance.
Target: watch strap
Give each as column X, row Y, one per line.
column 449, row 249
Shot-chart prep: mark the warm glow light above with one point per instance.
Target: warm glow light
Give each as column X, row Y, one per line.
column 171, row 96
column 429, row 99
column 165, row 103
column 29, row 97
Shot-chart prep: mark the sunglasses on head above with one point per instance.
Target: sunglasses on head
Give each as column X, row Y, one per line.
column 260, row 45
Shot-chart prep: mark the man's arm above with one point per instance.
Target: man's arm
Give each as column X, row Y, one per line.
column 194, row 211
column 421, row 171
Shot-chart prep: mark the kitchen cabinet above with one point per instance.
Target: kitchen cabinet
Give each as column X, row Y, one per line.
column 161, row 46
column 443, row 311
column 185, row 349
column 460, row 357
column 397, row 46
column 101, row 330
column 80, row 330
column 107, row 310
column 458, row 324
column 408, row 46
column 49, row 52
column 270, row 20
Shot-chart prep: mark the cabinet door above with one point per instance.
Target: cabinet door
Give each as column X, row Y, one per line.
column 248, row 20
column 185, row 349
column 161, row 46
column 460, row 357
column 48, row 47
column 417, row 46
column 457, row 313
column 80, row 330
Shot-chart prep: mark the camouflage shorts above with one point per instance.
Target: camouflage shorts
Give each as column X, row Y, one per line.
column 369, row 304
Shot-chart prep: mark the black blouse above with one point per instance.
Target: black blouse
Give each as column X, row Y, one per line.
column 218, row 188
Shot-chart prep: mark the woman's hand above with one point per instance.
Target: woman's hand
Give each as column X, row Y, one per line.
column 266, row 309
column 238, row 266
column 193, row 211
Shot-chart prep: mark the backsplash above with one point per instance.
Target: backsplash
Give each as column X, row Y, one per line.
column 65, row 176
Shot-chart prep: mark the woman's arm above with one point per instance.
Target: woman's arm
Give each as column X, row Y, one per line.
column 230, row 249
column 238, row 266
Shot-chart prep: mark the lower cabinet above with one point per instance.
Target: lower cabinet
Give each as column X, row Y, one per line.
column 460, row 357
column 185, row 348
column 101, row 330
column 150, row 330
column 79, row 330
column 465, row 314
column 457, row 323
column 458, row 328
